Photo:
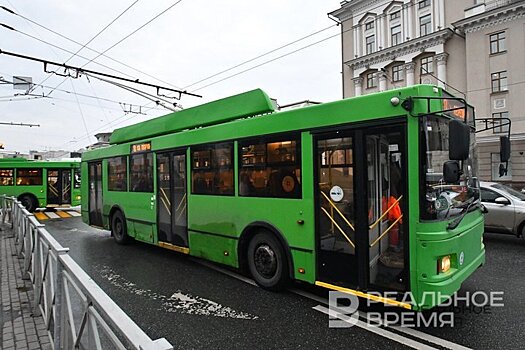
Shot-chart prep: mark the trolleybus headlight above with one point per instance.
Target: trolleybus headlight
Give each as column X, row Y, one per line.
column 78, row 198
column 444, row 264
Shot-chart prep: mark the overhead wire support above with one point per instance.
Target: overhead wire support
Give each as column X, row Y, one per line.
column 19, row 124
column 80, row 71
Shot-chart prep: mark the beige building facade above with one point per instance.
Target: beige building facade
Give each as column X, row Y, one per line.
column 389, row 43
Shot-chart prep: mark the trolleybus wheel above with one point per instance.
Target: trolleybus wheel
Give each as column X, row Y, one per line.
column 29, row 202
column 267, row 261
column 119, row 228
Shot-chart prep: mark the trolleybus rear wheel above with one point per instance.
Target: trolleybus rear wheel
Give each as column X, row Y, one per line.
column 119, row 228
column 29, row 202
column 267, row 261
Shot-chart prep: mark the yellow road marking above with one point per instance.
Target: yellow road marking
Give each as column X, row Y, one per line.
column 41, row 216
column 63, row 214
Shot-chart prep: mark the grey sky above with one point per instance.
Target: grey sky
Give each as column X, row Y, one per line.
column 193, row 40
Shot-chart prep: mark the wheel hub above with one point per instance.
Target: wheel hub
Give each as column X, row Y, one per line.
column 265, row 261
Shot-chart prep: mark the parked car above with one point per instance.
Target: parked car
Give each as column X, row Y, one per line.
column 505, row 209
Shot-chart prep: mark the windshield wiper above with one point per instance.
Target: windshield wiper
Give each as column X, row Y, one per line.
column 454, row 223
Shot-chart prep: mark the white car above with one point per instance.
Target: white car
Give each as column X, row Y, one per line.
column 505, row 209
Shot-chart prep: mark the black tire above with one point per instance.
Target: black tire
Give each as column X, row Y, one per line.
column 267, row 262
column 119, row 229
column 29, row 202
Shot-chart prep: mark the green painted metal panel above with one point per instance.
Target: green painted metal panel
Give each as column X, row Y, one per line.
column 247, row 104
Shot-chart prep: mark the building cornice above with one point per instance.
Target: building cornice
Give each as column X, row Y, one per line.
column 491, row 18
column 391, row 53
column 348, row 8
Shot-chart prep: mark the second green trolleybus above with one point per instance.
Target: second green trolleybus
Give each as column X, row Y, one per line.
column 359, row 195
column 39, row 183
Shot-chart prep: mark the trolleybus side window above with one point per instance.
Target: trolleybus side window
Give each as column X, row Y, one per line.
column 117, row 174
column 141, row 172
column 212, row 169
column 6, row 177
column 270, row 169
column 29, row 177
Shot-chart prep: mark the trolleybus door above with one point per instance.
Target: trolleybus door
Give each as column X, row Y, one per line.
column 95, row 194
column 385, row 186
column 172, row 198
column 336, row 232
column 58, row 186
column 360, row 191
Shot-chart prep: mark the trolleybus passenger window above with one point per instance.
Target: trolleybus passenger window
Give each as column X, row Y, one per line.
column 270, row 169
column 212, row 171
column 117, row 174
column 141, row 172
column 29, row 177
column 6, row 177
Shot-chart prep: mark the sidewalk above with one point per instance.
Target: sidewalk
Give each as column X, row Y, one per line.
column 20, row 330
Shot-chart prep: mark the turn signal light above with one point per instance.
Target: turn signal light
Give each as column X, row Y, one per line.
column 444, row 264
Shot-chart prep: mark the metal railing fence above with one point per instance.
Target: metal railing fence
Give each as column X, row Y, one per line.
column 77, row 312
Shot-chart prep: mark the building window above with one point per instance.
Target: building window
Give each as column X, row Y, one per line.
column 7, row 177
column 396, row 35
column 497, row 43
column 395, row 15
column 118, row 174
column 499, row 81
column 141, row 172
column 29, row 177
column 270, row 169
column 212, row 169
column 423, row 4
column 370, row 44
column 397, row 73
column 369, row 25
column 498, row 128
column 495, row 169
column 427, row 65
column 371, row 81
column 425, row 25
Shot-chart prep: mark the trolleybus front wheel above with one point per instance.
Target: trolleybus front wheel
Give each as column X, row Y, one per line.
column 267, row 261
column 119, row 229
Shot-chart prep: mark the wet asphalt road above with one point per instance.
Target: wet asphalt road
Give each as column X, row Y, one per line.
column 174, row 296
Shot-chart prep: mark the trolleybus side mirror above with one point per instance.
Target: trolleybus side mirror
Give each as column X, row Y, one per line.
column 451, row 172
column 504, row 152
column 458, row 140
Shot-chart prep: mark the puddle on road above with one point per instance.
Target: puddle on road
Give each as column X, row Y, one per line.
column 178, row 301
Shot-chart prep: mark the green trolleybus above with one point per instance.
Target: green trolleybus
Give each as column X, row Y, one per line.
column 368, row 194
column 40, row 184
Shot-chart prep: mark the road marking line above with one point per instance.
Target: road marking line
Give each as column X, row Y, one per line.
column 430, row 338
column 226, row 272
column 379, row 331
column 52, row 215
column 406, row 330
column 41, row 216
column 63, row 214
column 177, row 302
column 409, row 331
column 74, row 213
